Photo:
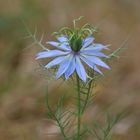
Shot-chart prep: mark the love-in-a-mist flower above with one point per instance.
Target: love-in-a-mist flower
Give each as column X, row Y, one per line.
column 74, row 49
column 72, row 53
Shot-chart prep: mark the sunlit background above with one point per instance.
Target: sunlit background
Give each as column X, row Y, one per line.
column 23, row 82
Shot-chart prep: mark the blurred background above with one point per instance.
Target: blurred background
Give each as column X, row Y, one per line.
column 23, row 83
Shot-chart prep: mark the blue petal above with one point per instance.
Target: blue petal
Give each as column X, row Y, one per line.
column 88, row 62
column 53, row 43
column 55, row 61
column 93, row 53
column 96, row 47
column 96, row 61
column 64, row 66
column 91, row 64
column 51, row 53
column 97, row 70
column 62, row 39
column 62, row 46
column 70, row 69
column 100, row 46
column 80, row 69
column 87, row 41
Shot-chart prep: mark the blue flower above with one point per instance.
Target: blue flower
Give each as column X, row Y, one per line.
column 70, row 55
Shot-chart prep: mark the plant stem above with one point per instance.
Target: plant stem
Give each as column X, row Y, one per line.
column 61, row 128
column 54, row 116
column 87, row 97
column 78, row 109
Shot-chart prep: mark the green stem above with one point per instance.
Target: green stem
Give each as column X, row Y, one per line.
column 79, row 109
column 54, row 116
column 87, row 97
column 61, row 128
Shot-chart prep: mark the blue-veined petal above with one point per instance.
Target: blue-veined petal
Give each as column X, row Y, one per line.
column 64, row 66
column 51, row 53
column 70, row 69
column 80, row 69
column 55, row 61
column 93, row 53
column 87, row 41
column 62, row 46
column 96, row 61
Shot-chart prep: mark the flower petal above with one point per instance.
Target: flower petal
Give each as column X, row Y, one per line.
column 53, row 43
column 70, row 69
column 64, row 66
column 97, row 70
column 62, row 46
column 62, row 39
column 88, row 62
column 51, row 53
column 93, row 53
column 101, row 46
column 87, row 41
column 80, row 69
column 55, row 61
column 96, row 47
column 96, row 61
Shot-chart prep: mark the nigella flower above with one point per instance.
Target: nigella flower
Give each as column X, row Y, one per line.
column 71, row 54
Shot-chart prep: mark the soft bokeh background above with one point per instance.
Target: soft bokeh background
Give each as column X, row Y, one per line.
column 23, row 83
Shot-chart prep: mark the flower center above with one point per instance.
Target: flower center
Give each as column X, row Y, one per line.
column 76, row 43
